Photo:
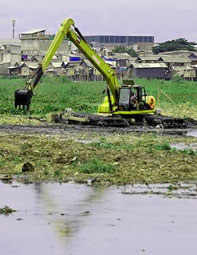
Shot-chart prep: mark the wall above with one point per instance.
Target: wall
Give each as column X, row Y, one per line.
column 151, row 73
column 39, row 47
column 25, row 71
column 12, row 58
column 3, row 68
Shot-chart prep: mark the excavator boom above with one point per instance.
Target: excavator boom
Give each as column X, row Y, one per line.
column 68, row 29
column 127, row 100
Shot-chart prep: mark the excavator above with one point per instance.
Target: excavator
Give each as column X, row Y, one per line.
column 127, row 100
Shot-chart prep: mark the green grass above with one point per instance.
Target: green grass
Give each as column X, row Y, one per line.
column 97, row 166
column 54, row 94
column 162, row 146
column 176, row 97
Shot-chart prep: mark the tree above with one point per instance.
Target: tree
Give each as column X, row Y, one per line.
column 123, row 49
column 178, row 44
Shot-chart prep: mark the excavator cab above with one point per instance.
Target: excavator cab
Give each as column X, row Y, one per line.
column 124, row 98
column 132, row 98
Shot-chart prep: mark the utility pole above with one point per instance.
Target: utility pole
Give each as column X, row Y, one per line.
column 13, row 27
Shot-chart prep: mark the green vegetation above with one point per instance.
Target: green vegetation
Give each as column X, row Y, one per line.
column 54, row 94
column 6, row 210
column 111, row 158
column 130, row 158
column 97, row 166
column 163, row 146
column 176, row 97
column 123, row 49
column 178, row 44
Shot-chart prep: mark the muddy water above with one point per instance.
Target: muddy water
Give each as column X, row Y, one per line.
column 192, row 133
column 76, row 219
column 183, row 146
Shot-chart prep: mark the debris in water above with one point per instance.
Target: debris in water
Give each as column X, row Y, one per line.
column 6, row 178
column 6, row 210
column 25, row 167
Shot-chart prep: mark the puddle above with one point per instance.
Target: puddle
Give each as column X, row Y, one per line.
column 73, row 219
column 192, row 133
column 183, row 146
column 86, row 141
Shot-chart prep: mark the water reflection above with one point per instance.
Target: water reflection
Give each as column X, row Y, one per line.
column 75, row 219
column 192, row 133
column 67, row 212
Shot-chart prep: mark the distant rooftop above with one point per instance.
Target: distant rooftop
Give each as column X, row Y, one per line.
column 149, row 65
column 33, row 31
column 119, row 39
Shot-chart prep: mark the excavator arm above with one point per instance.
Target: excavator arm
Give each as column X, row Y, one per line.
column 68, row 29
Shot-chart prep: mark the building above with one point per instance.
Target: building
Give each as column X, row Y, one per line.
column 138, row 42
column 10, row 41
column 28, row 68
column 147, row 70
column 11, row 53
column 172, row 61
column 149, row 59
column 36, row 42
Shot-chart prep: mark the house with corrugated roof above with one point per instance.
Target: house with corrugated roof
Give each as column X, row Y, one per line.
column 75, row 69
column 57, row 68
column 14, row 70
column 148, row 70
column 28, row 68
column 193, row 58
column 188, row 73
column 171, row 61
column 149, row 59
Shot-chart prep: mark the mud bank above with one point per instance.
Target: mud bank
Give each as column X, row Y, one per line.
column 61, row 129
column 94, row 155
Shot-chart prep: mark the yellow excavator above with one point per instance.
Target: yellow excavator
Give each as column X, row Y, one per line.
column 127, row 100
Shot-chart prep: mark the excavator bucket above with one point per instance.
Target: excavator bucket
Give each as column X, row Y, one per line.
column 23, row 98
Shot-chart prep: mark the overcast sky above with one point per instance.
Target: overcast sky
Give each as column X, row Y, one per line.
column 165, row 20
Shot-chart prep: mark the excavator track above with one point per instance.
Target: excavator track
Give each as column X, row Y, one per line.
column 159, row 121
column 169, row 122
column 90, row 119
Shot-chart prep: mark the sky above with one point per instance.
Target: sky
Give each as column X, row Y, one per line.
column 165, row 20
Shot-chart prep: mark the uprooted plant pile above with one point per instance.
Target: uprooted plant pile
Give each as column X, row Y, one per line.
column 112, row 158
